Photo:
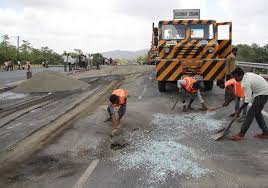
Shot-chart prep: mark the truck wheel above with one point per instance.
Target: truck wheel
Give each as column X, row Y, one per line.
column 208, row 85
column 161, row 86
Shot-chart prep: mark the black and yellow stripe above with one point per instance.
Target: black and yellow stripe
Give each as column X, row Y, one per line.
column 173, row 64
column 173, row 70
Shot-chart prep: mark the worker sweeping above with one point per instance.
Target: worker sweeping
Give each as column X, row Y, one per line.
column 255, row 87
column 118, row 100
column 234, row 91
column 192, row 88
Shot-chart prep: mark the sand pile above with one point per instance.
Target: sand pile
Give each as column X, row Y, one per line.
column 50, row 81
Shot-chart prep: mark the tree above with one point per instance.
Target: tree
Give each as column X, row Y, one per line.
column 97, row 58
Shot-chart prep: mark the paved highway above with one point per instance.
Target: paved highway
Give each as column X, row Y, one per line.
column 165, row 148
column 7, row 77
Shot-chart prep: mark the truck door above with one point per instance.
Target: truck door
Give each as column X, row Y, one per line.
column 224, row 37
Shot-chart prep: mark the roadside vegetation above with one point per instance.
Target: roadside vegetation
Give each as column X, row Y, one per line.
column 26, row 52
column 253, row 53
column 249, row 53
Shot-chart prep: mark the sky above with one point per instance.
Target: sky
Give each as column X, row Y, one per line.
column 105, row 25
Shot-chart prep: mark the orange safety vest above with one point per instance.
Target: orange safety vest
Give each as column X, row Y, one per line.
column 239, row 92
column 189, row 84
column 122, row 94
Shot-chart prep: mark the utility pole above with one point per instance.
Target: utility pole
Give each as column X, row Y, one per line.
column 18, row 50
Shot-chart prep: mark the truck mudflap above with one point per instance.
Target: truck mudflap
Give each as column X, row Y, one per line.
column 173, row 70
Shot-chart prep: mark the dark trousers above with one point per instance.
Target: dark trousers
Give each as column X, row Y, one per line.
column 255, row 111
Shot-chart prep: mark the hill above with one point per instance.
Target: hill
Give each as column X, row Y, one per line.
column 123, row 54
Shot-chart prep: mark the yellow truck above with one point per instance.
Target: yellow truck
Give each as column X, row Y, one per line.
column 191, row 47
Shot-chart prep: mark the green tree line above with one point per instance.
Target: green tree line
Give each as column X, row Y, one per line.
column 26, row 52
column 252, row 53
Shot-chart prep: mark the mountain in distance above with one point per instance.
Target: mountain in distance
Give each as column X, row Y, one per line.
column 124, row 54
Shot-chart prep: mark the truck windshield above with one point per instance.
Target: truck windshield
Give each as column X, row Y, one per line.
column 173, row 32
column 202, row 31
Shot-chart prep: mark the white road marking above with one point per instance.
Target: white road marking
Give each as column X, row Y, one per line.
column 83, row 179
column 263, row 112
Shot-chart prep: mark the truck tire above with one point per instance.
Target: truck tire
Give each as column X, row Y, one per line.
column 208, row 85
column 161, row 86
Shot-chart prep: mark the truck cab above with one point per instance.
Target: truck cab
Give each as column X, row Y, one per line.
column 191, row 48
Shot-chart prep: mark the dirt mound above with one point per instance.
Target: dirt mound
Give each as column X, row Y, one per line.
column 50, row 81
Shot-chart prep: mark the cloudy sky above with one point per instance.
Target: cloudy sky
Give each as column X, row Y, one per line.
column 104, row 25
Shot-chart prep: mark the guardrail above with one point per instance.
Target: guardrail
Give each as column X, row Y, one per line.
column 254, row 66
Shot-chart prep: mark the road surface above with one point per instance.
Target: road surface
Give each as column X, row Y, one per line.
column 7, row 77
column 164, row 148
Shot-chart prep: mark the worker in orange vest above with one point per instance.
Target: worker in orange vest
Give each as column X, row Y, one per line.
column 192, row 87
column 234, row 91
column 118, row 100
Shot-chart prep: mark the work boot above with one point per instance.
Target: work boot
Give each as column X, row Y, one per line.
column 262, row 135
column 237, row 137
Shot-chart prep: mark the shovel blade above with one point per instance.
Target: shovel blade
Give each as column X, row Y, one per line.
column 220, row 134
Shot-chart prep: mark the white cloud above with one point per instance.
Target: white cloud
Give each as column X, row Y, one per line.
column 104, row 25
column 249, row 20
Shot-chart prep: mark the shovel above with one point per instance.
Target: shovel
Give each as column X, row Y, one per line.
column 224, row 131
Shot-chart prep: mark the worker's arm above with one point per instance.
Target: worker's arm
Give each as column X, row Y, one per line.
column 180, row 84
column 199, row 96
column 113, row 116
column 244, row 105
column 248, row 96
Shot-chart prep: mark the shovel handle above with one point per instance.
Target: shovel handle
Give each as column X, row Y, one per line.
column 229, row 126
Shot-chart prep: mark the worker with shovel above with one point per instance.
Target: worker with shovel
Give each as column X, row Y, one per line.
column 118, row 100
column 234, row 91
column 192, row 87
column 255, row 87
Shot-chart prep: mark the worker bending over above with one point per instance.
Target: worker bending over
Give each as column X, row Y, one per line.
column 234, row 91
column 192, row 87
column 118, row 100
column 256, row 88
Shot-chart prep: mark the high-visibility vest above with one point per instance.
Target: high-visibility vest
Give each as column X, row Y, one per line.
column 122, row 94
column 189, row 84
column 238, row 90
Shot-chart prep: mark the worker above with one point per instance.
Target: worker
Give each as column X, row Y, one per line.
column 230, row 63
column 192, row 87
column 234, row 92
column 118, row 100
column 255, row 87
column 28, row 65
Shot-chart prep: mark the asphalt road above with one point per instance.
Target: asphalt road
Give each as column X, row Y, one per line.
column 164, row 148
column 7, row 77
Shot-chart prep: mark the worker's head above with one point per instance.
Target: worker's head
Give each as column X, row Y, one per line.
column 234, row 51
column 196, row 86
column 114, row 99
column 238, row 74
column 220, row 83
